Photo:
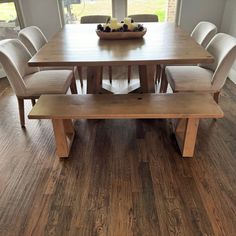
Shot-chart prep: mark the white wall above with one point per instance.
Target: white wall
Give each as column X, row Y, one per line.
column 42, row 13
column 119, row 9
column 46, row 15
column 193, row 11
column 229, row 26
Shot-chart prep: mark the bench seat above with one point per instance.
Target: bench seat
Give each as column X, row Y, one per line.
column 187, row 108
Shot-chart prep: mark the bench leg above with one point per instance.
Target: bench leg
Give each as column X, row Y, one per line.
column 64, row 136
column 186, row 133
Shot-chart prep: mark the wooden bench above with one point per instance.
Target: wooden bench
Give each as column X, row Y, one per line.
column 186, row 108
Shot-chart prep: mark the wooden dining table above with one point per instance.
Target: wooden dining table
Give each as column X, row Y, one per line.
column 79, row 45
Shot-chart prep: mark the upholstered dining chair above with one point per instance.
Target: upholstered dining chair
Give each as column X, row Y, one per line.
column 142, row 18
column 29, row 82
column 96, row 19
column 34, row 39
column 205, row 77
column 202, row 33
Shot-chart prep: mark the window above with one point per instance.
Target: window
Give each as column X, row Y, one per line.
column 9, row 21
column 165, row 9
column 74, row 9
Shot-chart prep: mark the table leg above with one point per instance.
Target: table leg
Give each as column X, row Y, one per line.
column 64, row 136
column 94, row 79
column 186, row 133
column 146, row 75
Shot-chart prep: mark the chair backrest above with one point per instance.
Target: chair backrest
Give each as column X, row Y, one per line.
column 204, row 32
column 144, row 18
column 14, row 58
column 94, row 19
column 33, row 38
column 223, row 48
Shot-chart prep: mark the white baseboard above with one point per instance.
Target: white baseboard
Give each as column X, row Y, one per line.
column 232, row 75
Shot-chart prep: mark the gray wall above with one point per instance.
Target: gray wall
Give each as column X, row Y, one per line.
column 229, row 26
column 46, row 15
column 193, row 11
column 42, row 13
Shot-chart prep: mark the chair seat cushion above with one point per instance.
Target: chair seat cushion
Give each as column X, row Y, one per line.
column 189, row 78
column 48, row 82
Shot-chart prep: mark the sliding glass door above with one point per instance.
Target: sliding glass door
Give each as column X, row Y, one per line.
column 9, row 20
column 165, row 9
column 73, row 10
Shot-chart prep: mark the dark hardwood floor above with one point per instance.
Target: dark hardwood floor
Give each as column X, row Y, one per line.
column 125, row 177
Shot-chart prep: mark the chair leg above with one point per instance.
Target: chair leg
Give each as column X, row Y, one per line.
column 73, row 86
column 33, row 102
column 79, row 68
column 164, row 82
column 101, row 75
column 129, row 74
column 158, row 74
column 110, row 73
column 21, row 111
column 216, row 97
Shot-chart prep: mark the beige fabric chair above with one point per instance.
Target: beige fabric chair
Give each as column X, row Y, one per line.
column 206, row 77
column 34, row 39
column 28, row 82
column 202, row 34
column 143, row 18
column 95, row 19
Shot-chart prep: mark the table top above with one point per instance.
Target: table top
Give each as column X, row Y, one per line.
column 164, row 43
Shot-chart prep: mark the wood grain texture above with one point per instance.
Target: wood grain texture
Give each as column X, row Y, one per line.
column 117, row 106
column 129, row 106
column 125, row 177
column 78, row 45
column 164, row 43
column 64, row 136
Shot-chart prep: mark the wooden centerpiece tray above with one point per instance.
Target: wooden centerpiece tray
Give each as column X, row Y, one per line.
column 121, row 35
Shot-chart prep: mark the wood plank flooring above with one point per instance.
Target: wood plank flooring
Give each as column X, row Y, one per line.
column 125, row 177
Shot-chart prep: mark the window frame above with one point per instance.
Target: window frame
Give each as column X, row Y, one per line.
column 61, row 11
column 120, row 15
column 18, row 11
